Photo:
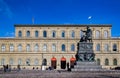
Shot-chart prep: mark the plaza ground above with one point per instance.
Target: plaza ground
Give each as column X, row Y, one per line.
column 60, row 74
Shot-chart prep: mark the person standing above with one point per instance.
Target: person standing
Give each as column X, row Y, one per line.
column 18, row 67
column 67, row 65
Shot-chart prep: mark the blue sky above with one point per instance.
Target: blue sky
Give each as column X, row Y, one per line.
column 58, row 12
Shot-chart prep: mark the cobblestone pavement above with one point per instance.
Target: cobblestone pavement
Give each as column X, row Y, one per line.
column 59, row 74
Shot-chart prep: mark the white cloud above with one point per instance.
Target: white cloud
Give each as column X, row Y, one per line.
column 5, row 9
column 10, row 34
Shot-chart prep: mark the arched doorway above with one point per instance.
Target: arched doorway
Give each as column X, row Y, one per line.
column 53, row 62
column 72, row 62
column 44, row 62
column 63, row 63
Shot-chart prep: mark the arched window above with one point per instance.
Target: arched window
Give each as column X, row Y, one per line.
column 44, row 47
column 3, row 47
column 11, row 61
column 53, row 34
column 11, row 47
column 19, row 47
column 53, row 48
column 106, row 47
column 63, row 47
column 63, row 34
column 28, row 33
column 44, row 62
column 36, row 62
column 2, row 61
column 28, row 62
column 81, row 34
column 114, row 47
column 98, row 47
column 19, row 61
column 19, row 33
column 44, row 33
column 98, row 61
column 72, row 47
column 97, row 35
column 36, row 48
column 28, row 47
column 105, row 34
column 106, row 62
column 114, row 61
column 36, row 33
column 72, row 33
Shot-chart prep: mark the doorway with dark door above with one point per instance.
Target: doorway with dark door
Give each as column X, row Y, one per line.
column 63, row 63
column 53, row 62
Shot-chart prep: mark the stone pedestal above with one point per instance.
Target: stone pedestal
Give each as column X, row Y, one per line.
column 85, row 52
column 86, row 66
column 85, row 58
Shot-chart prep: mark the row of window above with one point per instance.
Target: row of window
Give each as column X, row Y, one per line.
column 63, row 34
column 20, row 62
column 36, row 62
column 106, row 47
column 107, row 62
column 36, row 48
column 63, row 47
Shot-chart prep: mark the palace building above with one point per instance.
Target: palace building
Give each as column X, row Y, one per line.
column 55, row 45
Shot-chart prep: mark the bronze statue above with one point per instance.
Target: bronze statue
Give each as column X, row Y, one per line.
column 87, row 36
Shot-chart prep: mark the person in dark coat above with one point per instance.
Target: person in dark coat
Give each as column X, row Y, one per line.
column 4, row 68
column 18, row 67
column 67, row 65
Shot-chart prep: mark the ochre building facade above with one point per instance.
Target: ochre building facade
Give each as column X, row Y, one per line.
column 34, row 44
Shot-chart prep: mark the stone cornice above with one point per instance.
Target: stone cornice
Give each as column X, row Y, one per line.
column 62, row 25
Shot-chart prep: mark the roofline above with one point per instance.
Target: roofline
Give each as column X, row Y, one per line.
column 62, row 25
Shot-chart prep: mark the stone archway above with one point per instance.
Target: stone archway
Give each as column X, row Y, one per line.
column 63, row 63
column 53, row 62
column 72, row 62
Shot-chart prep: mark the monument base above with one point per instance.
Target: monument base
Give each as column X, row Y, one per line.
column 86, row 66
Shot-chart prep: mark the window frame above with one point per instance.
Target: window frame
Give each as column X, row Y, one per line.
column 45, row 47
column 72, row 34
column 114, row 47
column 53, row 48
column 36, row 48
column 97, row 34
column 36, row 33
column 19, row 33
column 3, row 48
column 19, row 47
column 53, row 34
column 98, row 47
column 106, row 62
column 44, row 33
column 72, row 47
column 28, row 33
column 63, row 34
column 105, row 34
column 63, row 48
column 11, row 47
column 28, row 48
column 115, row 62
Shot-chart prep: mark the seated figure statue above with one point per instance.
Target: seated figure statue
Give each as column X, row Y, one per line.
column 87, row 36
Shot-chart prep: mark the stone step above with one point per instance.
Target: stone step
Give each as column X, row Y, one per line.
column 86, row 63
column 87, row 66
column 83, row 67
column 87, row 70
